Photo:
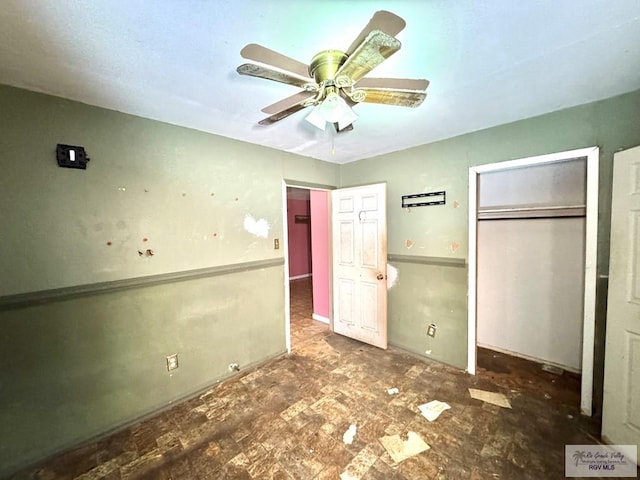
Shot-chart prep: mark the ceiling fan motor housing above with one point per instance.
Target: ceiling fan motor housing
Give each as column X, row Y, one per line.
column 324, row 65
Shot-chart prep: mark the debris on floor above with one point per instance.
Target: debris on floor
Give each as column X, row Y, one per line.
column 433, row 409
column 493, row 398
column 349, row 435
column 360, row 464
column 393, row 391
column 402, row 448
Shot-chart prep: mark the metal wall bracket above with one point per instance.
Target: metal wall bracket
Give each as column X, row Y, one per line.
column 431, row 198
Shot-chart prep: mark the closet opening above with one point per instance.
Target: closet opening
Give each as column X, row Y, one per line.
column 532, row 257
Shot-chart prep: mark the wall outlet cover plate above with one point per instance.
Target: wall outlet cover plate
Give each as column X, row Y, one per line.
column 172, row 362
column 431, row 330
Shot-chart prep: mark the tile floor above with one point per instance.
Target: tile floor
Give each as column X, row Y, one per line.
column 286, row 420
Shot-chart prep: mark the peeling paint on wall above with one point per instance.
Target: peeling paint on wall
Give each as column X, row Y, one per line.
column 408, row 244
column 259, row 228
column 455, row 246
column 455, row 204
column 392, row 276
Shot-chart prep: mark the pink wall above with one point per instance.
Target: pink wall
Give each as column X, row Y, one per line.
column 299, row 238
column 320, row 251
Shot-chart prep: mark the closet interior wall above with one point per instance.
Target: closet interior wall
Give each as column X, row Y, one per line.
column 531, row 247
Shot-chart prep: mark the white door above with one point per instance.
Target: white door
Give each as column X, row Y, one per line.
column 621, row 404
column 359, row 223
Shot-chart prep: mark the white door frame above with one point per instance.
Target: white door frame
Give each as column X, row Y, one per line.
column 590, row 264
column 284, row 244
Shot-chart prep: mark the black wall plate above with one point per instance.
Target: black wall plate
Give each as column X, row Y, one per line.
column 431, row 198
column 71, row 156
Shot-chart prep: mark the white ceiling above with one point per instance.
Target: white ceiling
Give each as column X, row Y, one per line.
column 489, row 62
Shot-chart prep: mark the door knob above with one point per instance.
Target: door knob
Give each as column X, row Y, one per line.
column 380, row 276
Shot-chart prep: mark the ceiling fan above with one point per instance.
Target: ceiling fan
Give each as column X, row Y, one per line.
column 333, row 82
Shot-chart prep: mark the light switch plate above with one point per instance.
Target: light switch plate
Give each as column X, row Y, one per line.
column 71, row 156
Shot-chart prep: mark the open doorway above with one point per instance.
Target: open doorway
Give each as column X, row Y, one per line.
column 307, row 264
column 348, row 264
column 588, row 245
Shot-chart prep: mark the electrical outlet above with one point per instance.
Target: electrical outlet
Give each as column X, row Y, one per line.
column 172, row 362
column 431, row 330
column 276, row 244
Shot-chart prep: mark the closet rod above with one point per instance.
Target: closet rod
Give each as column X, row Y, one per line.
column 555, row 211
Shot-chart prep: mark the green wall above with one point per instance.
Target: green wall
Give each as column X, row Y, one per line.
column 185, row 191
column 427, row 292
column 86, row 321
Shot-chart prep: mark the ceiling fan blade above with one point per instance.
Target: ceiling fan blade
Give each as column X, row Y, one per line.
column 288, row 102
column 387, row 22
column 261, row 54
column 395, row 83
column 277, row 76
column 375, row 49
column 401, row 98
column 276, row 117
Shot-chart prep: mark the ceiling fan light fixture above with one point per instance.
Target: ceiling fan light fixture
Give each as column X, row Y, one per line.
column 333, row 109
column 347, row 118
column 316, row 118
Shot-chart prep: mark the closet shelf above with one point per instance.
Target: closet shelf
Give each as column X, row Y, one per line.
column 522, row 212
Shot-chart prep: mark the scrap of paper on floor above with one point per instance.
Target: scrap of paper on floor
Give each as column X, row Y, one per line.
column 400, row 450
column 433, row 409
column 490, row 397
column 349, row 435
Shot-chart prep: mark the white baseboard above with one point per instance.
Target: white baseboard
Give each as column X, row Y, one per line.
column 298, row 277
column 320, row 318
